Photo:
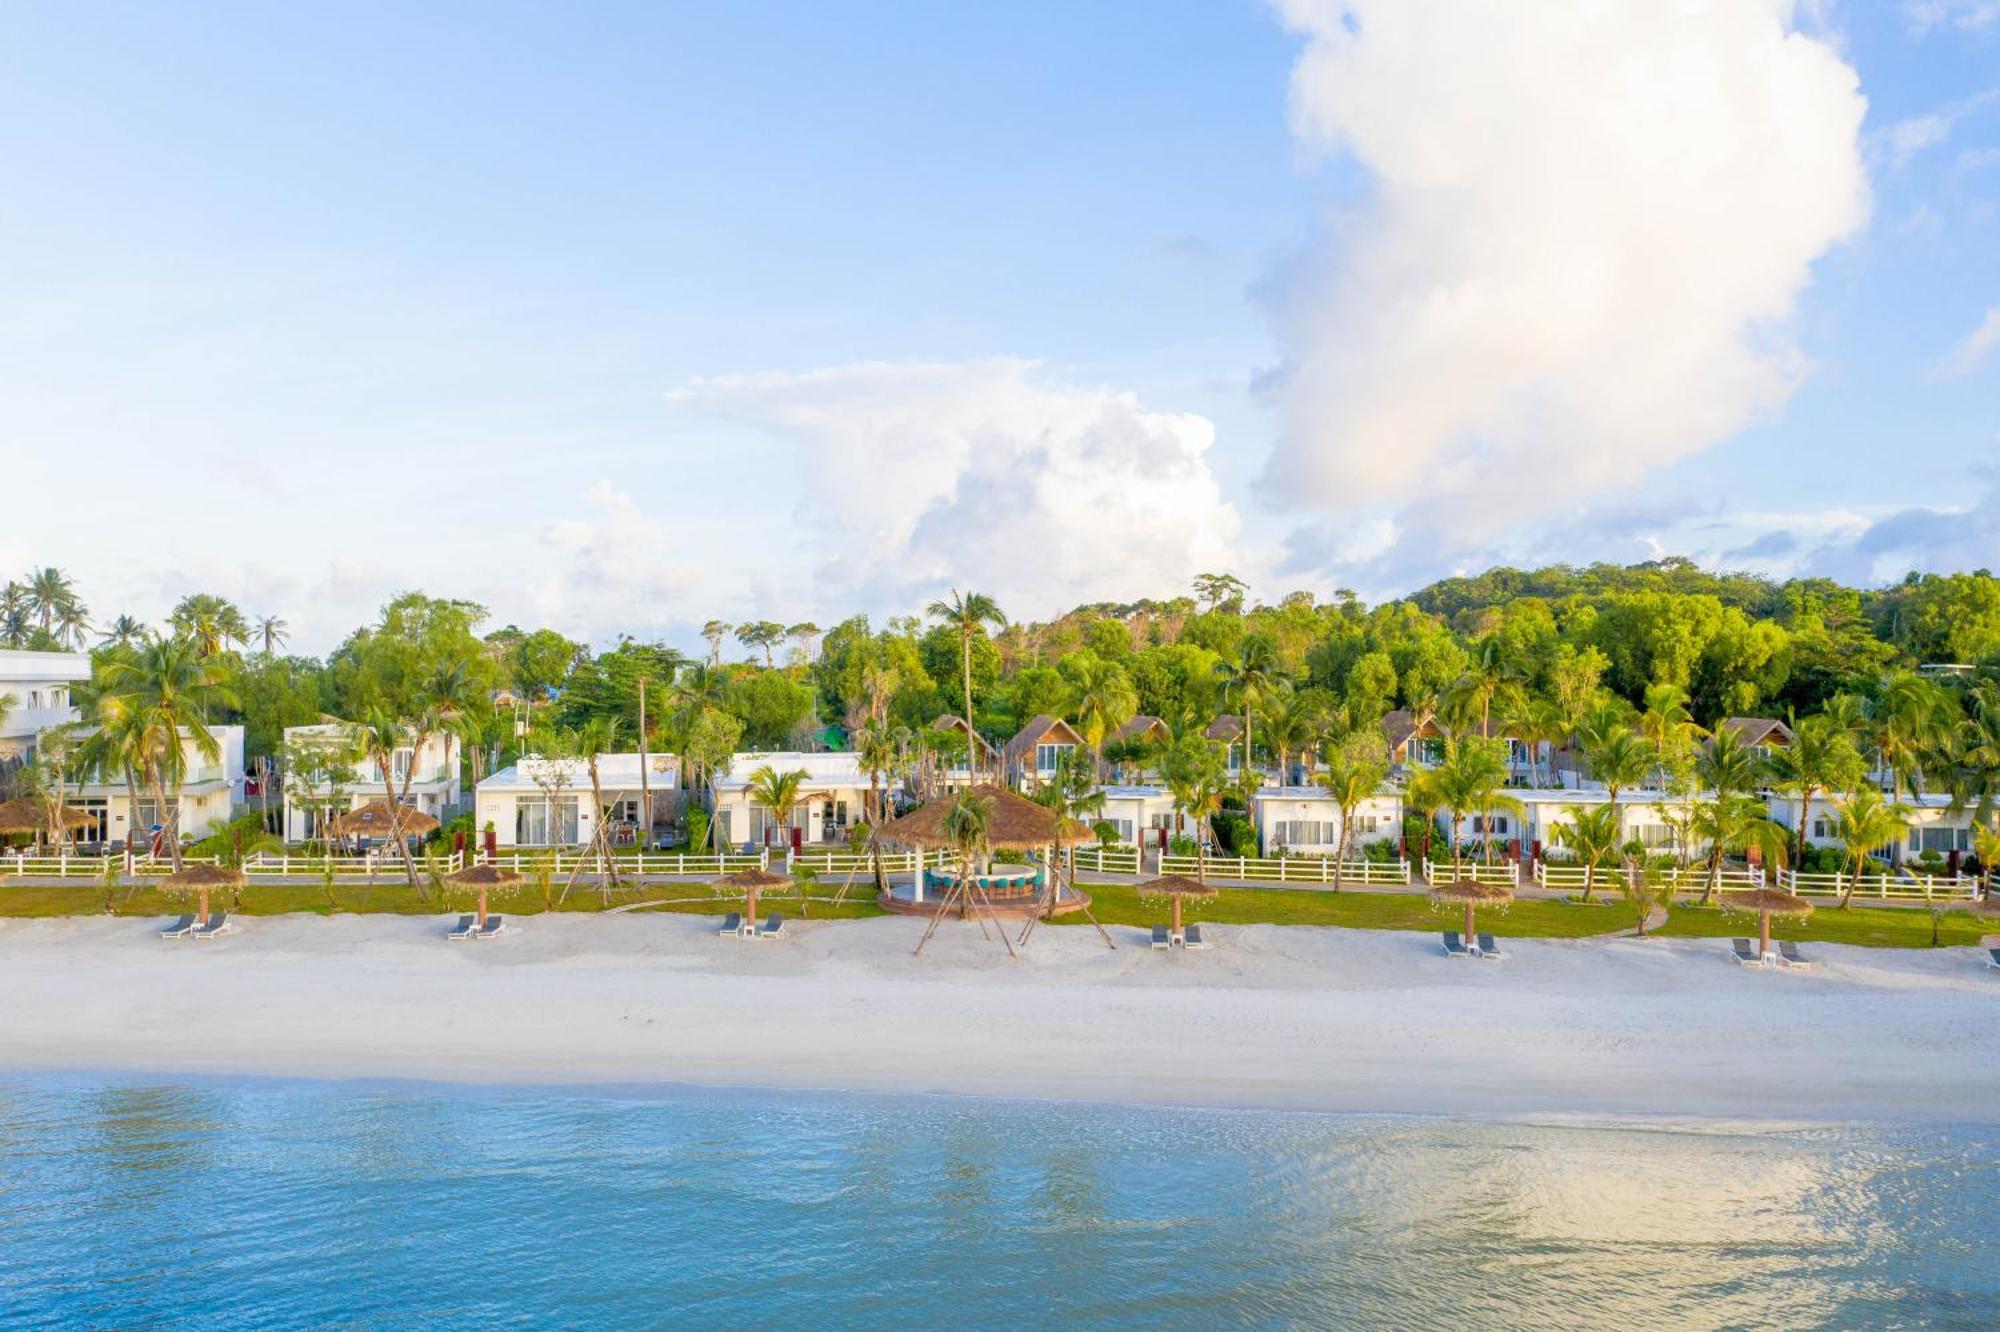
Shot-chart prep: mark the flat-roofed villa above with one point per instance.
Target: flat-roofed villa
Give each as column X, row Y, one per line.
column 831, row 800
column 37, row 685
column 1037, row 749
column 549, row 802
column 211, row 790
column 1142, row 814
column 1934, row 825
column 1305, row 820
column 313, row 798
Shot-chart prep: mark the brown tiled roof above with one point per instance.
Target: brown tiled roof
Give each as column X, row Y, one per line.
column 1756, row 730
column 1139, row 726
column 1029, row 736
column 951, row 721
column 1226, row 728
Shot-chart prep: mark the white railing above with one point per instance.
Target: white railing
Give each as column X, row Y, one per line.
column 1897, row 887
column 853, row 862
column 88, row 867
column 1473, row 871
column 1287, row 869
column 1607, row 877
column 649, row 864
column 1108, row 859
column 382, row 862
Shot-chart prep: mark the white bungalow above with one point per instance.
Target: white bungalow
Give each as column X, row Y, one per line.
column 1934, row 825
column 548, row 802
column 210, row 792
column 831, row 800
column 312, row 797
column 37, row 685
column 1143, row 815
column 1644, row 815
column 1306, row 820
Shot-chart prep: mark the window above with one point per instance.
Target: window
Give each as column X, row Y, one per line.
column 1124, row 827
column 540, row 822
column 399, row 764
column 1499, row 822
column 1048, row 756
column 1820, row 830
column 1653, row 836
column 1308, row 832
column 1941, row 840
column 1367, row 823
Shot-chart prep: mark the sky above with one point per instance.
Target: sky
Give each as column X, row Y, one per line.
column 621, row 317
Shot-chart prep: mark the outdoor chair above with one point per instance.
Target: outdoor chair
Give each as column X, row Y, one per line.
column 773, row 926
column 217, row 924
column 463, row 930
column 1455, row 946
column 179, row 929
column 1191, row 937
column 493, row 926
column 1489, row 947
column 1788, row 953
column 1993, row 957
column 732, row 923
column 1164, row 937
column 1746, row 952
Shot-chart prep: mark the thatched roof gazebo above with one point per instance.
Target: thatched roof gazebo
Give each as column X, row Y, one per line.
column 1474, row 896
column 484, row 877
column 1015, row 824
column 1177, row 886
column 201, row 880
column 32, row 816
column 753, row 881
column 1766, row 902
column 374, row 819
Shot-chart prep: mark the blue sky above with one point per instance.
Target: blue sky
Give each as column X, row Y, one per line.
column 624, row 316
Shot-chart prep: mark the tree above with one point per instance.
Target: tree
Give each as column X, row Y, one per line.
column 968, row 613
column 1221, row 591
column 1732, row 823
column 765, row 634
column 1820, row 759
column 1073, row 793
column 1245, row 681
column 1469, row 780
column 778, row 794
column 1863, row 823
column 123, row 632
column 806, row 636
column 52, row 599
column 1196, row 774
column 1726, row 766
column 381, row 737
column 1619, row 759
column 715, row 631
column 1592, row 837
column 1350, row 781
column 166, row 691
column 591, row 742
column 1105, row 700
column 272, row 632
column 210, row 622
column 539, row 662
column 710, row 741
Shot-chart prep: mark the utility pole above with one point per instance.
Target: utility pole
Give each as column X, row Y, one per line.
column 645, row 783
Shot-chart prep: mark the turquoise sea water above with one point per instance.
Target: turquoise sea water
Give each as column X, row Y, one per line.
column 233, row 1204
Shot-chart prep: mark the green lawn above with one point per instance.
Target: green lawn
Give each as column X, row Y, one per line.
column 1119, row 904
column 1870, row 927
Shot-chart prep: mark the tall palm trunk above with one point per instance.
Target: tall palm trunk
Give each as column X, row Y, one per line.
column 169, row 817
column 396, row 820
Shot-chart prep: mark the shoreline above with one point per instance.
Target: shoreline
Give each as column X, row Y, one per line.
column 1271, row 1018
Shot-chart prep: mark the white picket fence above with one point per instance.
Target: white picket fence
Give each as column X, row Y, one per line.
column 88, row 867
column 1607, row 877
column 647, row 865
column 824, row 863
column 1287, row 869
column 1887, row 887
column 1108, row 859
column 1500, row 872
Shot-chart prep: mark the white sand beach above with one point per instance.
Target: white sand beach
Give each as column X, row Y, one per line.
column 1270, row 1017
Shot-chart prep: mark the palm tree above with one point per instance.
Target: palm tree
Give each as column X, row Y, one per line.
column 167, row 690
column 969, row 612
column 1350, row 781
column 50, row 594
column 1245, row 681
column 1668, row 727
column 879, row 751
column 967, row 825
column 14, row 614
column 1726, row 766
column 210, row 622
column 1619, row 759
column 779, row 794
column 1732, row 823
column 1863, row 823
column 1469, row 781
column 1907, row 725
column 272, row 632
column 72, row 624
column 1293, row 719
column 1105, row 701
column 1591, row 836
column 591, row 742
column 1491, row 676
column 1196, row 776
column 379, row 739
column 123, row 632
column 1821, row 759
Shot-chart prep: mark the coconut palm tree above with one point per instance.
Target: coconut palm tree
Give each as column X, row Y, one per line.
column 272, row 632
column 167, row 690
column 1820, row 760
column 123, row 632
column 1620, row 760
column 1668, row 728
column 1349, row 781
column 50, row 594
column 1492, row 676
column 591, row 742
column 967, row 824
column 1726, row 766
column 1592, row 837
column 778, row 793
column 1245, row 681
column 968, row 612
column 1909, row 722
column 1863, row 823
column 1105, row 700
column 1197, row 777
column 1470, row 780
column 1293, row 720
column 15, row 612
column 210, row 622
column 379, row 739
column 1733, row 823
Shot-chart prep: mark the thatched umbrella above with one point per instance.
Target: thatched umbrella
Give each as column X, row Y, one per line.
column 202, row 878
column 1177, row 886
column 751, row 881
column 1015, row 823
column 377, row 817
column 1767, row 902
column 1475, row 896
column 32, row 816
column 483, row 876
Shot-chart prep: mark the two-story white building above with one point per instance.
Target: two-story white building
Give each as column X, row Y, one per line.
column 325, row 776
column 548, row 802
column 831, row 800
column 36, row 686
column 127, row 812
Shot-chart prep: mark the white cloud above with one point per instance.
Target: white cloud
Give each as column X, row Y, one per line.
column 1908, row 137
column 616, row 570
column 1586, row 232
column 1972, row 350
column 983, row 474
column 1970, row 15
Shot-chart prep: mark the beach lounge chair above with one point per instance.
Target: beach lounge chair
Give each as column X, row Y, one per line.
column 1454, row 946
column 464, row 928
column 1746, row 952
column 732, row 923
column 493, row 926
column 1162, row 937
column 1993, row 957
column 1788, row 953
column 217, row 924
column 1191, row 937
column 1489, row 946
column 179, row 929
column 773, row 926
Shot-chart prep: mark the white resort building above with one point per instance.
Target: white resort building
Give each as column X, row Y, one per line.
column 1143, row 815
column 37, row 688
column 325, row 776
column 549, row 802
column 831, row 800
column 1305, row 820
column 211, row 790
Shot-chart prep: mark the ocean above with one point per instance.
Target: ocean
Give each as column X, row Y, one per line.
column 131, row 1201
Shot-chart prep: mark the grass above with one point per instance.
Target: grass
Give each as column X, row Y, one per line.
column 1120, row 904
column 1868, row 927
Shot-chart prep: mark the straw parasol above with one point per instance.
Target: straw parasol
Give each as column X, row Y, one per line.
column 483, row 876
column 1016, row 823
column 1176, row 886
column 202, row 878
column 373, row 819
column 32, row 816
column 1475, row 896
column 1766, row 902
column 752, row 881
